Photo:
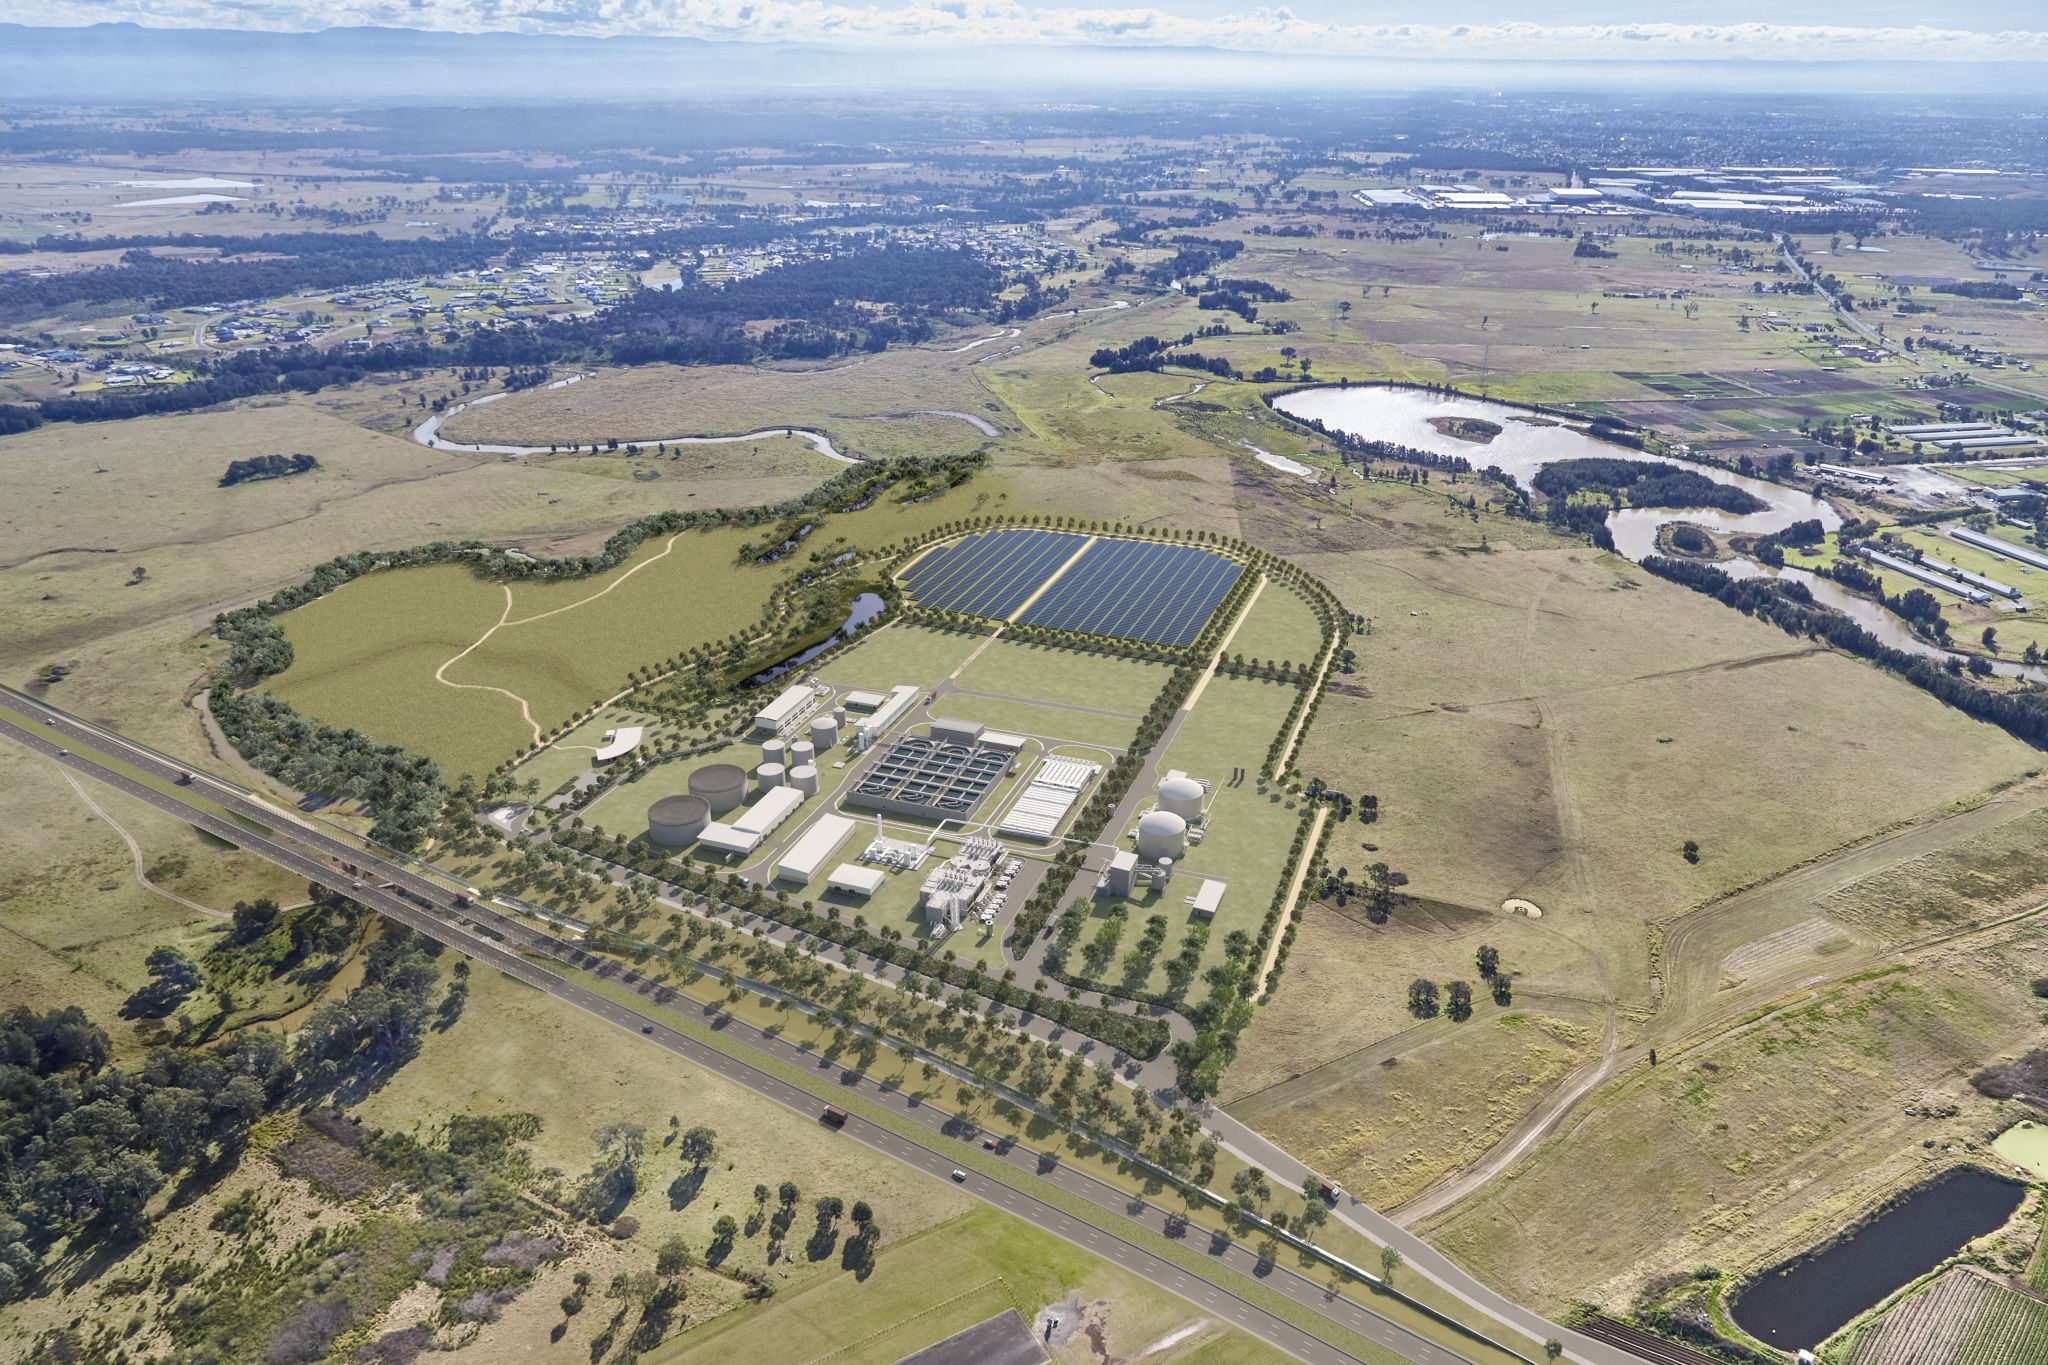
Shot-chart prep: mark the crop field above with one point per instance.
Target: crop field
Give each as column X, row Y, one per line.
column 1963, row 1318
column 531, row 654
column 1757, row 1142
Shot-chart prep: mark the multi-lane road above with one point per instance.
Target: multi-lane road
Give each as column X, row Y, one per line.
column 429, row 906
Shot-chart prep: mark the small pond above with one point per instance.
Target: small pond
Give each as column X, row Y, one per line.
column 866, row 607
column 1802, row 1303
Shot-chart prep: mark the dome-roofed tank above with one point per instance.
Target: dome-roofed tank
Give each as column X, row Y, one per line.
column 1181, row 796
column 1162, row 834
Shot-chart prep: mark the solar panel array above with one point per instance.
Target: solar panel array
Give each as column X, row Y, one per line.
column 989, row 573
column 1137, row 590
column 1129, row 589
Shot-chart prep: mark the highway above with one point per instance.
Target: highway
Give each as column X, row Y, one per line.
column 483, row 935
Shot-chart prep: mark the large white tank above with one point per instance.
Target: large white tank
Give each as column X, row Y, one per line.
column 802, row 754
column 824, row 732
column 769, row 775
column 1182, row 796
column 1162, row 834
column 804, row 778
column 773, row 750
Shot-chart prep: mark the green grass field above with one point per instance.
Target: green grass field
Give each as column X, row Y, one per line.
column 558, row 646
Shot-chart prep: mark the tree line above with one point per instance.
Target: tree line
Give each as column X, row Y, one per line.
column 2020, row 711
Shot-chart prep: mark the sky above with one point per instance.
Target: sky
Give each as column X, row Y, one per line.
column 1577, row 30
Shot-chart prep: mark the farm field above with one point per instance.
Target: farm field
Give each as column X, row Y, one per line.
column 1569, row 760
column 1962, row 1318
column 1752, row 1144
column 1346, row 1099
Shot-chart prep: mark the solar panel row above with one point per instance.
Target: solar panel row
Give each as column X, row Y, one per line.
column 1137, row 590
column 989, row 573
column 1128, row 589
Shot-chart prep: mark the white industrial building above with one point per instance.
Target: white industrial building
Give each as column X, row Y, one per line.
column 745, row 833
column 854, row 880
column 871, row 728
column 793, row 706
column 1051, row 793
column 620, row 742
column 800, row 863
column 955, row 887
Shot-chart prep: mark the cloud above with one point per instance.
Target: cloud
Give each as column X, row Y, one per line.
column 1273, row 30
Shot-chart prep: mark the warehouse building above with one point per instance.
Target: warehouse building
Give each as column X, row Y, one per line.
column 754, row 824
column 793, row 706
column 800, row 863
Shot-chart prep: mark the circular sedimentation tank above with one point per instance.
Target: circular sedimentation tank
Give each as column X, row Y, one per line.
column 722, row 785
column 1162, row 834
column 675, row 820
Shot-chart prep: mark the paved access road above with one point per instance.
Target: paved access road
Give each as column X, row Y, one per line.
column 482, row 935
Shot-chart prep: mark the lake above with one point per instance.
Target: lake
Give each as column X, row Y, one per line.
column 1802, row 1303
column 1527, row 442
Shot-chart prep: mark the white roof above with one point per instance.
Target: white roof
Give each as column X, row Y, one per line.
column 728, row 838
column 623, row 741
column 803, row 858
column 783, row 707
column 772, row 809
column 1000, row 739
column 862, row 701
column 862, row 881
column 1207, row 897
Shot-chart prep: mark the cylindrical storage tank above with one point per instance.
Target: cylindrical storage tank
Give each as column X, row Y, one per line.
column 824, row 732
column 769, row 775
column 839, row 714
column 804, row 778
column 1182, row 796
column 1165, row 868
column 1162, row 834
column 722, row 785
column 802, row 754
column 773, row 751
column 675, row 820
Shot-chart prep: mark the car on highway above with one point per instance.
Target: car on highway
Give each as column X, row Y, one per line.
column 647, row 1028
column 834, row 1115
column 959, row 1176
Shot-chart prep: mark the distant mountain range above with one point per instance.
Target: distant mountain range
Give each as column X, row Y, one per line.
column 120, row 62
